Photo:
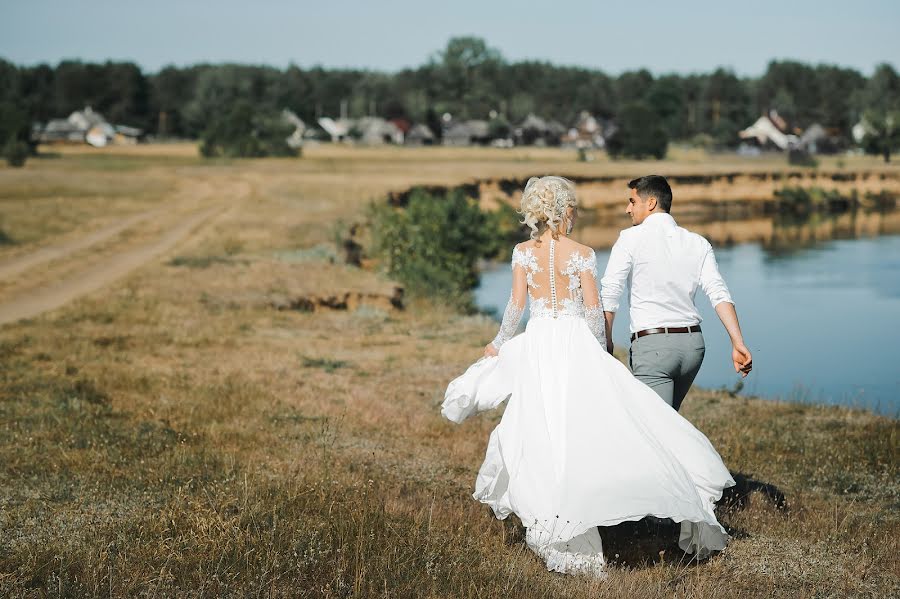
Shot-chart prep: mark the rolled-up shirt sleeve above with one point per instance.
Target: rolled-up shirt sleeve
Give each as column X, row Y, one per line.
column 613, row 282
column 711, row 281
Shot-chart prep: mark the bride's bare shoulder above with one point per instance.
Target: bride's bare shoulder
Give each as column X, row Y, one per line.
column 580, row 248
column 524, row 245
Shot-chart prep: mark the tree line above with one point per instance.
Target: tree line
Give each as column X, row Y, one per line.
column 467, row 79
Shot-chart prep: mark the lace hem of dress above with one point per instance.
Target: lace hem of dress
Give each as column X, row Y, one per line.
column 580, row 555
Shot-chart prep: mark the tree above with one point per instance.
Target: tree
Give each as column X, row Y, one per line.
column 467, row 78
column 243, row 132
column 640, row 133
column 125, row 97
column 882, row 135
column 880, row 101
column 15, row 130
column 791, row 88
column 666, row 98
column 464, row 76
column 37, row 91
column 15, row 126
column 220, row 88
column 633, row 86
column 836, row 104
column 171, row 90
column 728, row 105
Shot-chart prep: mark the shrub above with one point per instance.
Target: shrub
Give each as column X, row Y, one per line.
column 15, row 151
column 15, row 130
column 244, row 132
column 433, row 245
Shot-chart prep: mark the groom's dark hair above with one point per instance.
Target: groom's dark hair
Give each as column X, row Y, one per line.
column 653, row 186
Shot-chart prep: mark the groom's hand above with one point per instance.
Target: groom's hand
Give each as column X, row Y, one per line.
column 743, row 359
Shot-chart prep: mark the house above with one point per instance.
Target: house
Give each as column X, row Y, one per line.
column 466, row 133
column 815, row 139
column 402, row 124
column 769, row 130
column 373, row 130
column 419, row 135
column 586, row 132
column 860, row 130
column 337, row 130
column 87, row 126
column 295, row 140
column 534, row 130
column 125, row 135
column 59, row 131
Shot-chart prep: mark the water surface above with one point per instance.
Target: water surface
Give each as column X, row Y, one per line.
column 822, row 320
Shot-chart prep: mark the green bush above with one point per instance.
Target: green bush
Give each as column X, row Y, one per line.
column 15, row 151
column 433, row 245
column 245, row 132
column 15, row 130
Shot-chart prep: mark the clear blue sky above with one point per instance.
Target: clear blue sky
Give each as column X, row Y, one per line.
column 387, row 35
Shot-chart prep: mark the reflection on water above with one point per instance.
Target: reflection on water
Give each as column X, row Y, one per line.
column 777, row 235
column 819, row 303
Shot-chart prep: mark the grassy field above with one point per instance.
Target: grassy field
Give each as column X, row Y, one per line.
column 196, row 429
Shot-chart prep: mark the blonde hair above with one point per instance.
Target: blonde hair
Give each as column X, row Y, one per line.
column 545, row 202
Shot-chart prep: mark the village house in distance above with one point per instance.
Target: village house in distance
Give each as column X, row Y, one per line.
column 769, row 132
column 86, row 126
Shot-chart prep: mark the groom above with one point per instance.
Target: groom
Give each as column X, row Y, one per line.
column 665, row 265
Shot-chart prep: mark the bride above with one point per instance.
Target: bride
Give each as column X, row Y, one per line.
column 582, row 443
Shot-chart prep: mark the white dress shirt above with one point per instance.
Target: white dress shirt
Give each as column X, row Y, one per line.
column 664, row 266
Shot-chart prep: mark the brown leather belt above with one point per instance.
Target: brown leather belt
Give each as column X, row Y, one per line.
column 692, row 329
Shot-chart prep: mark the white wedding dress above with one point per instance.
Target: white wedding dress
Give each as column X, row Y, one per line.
column 582, row 443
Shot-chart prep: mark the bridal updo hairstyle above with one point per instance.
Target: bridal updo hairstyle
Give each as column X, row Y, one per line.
column 544, row 204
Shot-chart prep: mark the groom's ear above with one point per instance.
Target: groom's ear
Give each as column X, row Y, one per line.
column 652, row 203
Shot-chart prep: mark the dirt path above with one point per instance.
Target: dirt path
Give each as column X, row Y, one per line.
column 59, row 293
column 14, row 266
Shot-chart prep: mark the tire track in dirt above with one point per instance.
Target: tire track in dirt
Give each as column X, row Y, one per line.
column 16, row 265
column 57, row 294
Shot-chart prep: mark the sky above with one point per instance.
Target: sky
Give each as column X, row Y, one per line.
column 687, row 36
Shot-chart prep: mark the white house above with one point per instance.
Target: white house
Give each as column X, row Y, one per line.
column 764, row 131
column 87, row 126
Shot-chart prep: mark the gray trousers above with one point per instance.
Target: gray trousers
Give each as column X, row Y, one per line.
column 667, row 363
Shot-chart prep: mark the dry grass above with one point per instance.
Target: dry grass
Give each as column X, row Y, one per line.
column 176, row 435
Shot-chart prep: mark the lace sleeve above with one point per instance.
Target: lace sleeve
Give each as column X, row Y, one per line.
column 593, row 307
column 510, row 324
column 515, row 308
column 593, row 315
